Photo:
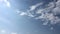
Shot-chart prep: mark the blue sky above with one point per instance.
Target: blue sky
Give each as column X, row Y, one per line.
column 29, row 17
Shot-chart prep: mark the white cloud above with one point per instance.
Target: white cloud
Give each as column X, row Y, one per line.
column 7, row 3
column 58, row 3
column 13, row 33
column 54, row 8
column 23, row 13
column 40, row 17
column 35, row 6
column 27, row 13
column 47, row 14
column 30, row 15
column 7, row 32
column 3, row 31
column 39, row 11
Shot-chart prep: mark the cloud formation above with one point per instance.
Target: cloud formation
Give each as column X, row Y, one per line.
column 48, row 14
column 35, row 6
column 5, row 3
column 6, row 32
column 3, row 31
column 32, row 8
column 13, row 33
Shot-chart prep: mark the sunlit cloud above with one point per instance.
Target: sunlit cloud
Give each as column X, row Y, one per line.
column 23, row 13
column 13, row 33
column 5, row 3
column 8, row 4
column 3, row 31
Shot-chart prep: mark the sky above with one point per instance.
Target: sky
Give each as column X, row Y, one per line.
column 29, row 16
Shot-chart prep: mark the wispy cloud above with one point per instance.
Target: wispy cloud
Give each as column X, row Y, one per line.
column 25, row 13
column 47, row 14
column 33, row 7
